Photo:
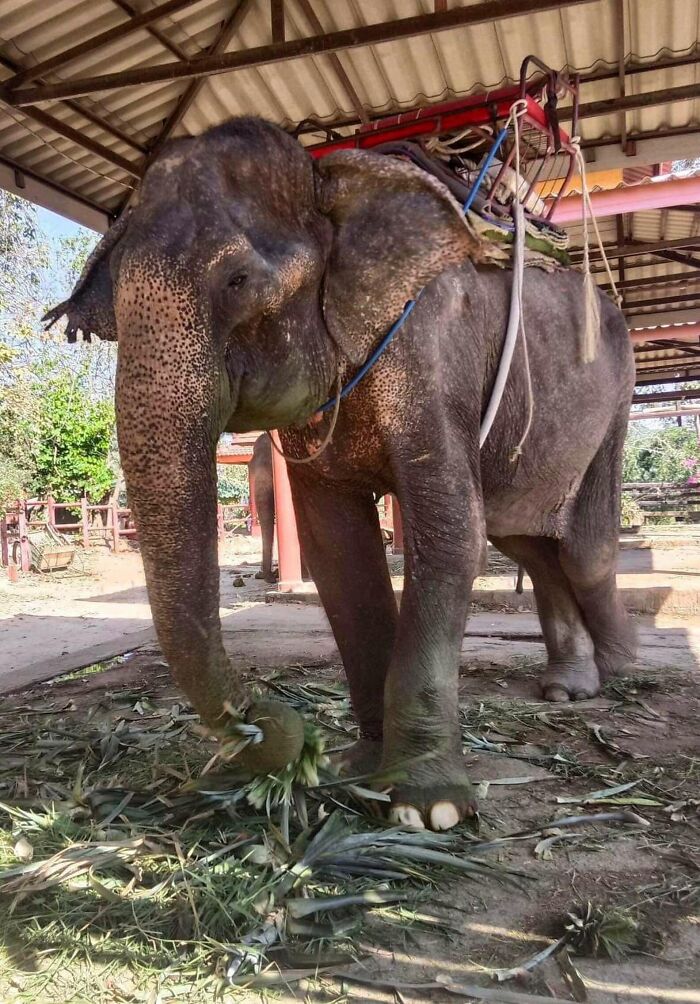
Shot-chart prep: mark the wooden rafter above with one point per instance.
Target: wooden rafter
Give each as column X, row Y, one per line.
column 61, row 59
column 228, row 30
column 153, row 30
column 370, row 34
column 335, row 63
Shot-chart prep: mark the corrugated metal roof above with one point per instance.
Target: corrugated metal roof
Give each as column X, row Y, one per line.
column 386, row 77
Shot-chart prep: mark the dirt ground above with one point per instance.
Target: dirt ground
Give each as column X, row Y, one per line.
column 535, row 765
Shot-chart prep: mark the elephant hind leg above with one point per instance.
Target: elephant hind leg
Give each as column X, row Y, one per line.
column 588, row 554
column 572, row 673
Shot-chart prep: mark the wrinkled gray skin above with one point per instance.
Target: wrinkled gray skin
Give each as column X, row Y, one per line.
column 244, row 279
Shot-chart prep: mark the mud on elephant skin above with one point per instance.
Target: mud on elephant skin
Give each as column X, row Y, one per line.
column 245, row 279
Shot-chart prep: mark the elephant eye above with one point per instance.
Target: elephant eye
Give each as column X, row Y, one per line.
column 237, row 280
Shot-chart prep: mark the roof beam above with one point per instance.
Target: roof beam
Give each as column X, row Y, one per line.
column 682, row 259
column 156, row 33
column 334, row 60
column 637, row 249
column 682, row 278
column 631, row 69
column 630, row 102
column 86, row 112
column 120, row 31
column 190, row 93
column 68, row 132
column 621, row 82
column 277, row 20
column 371, row 34
column 657, row 301
column 667, row 395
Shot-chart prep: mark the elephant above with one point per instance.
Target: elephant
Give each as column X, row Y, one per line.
column 262, row 490
column 246, row 283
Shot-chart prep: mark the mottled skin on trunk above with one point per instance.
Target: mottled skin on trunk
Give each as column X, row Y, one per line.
column 245, row 279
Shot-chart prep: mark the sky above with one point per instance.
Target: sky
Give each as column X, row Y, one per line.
column 54, row 225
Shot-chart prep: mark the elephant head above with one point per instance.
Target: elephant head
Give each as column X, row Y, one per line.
column 241, row 278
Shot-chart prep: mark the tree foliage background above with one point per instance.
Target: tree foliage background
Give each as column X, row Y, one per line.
column 56, row 411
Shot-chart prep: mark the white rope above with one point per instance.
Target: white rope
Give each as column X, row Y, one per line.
column 592, row 304
column 515, row 317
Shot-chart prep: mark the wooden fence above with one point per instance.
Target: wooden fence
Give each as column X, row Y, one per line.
column 27, row 516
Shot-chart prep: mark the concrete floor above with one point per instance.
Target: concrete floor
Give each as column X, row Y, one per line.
column 53, row 624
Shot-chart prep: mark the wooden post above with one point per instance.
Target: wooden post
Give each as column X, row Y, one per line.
column 397, row 546
column 23, row 541
column 220, row 531
column 4, row 547
column 114, row 509
column 51, row 512
column 255, row 528
column 85, row 521
column 288, row 551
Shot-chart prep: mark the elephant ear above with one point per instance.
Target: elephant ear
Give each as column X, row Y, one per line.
column 396, row 227
column 90, row 308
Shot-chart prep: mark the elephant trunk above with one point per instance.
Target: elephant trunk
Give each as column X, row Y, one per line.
column 170, row 470
column 168, row 402
column 173, row 398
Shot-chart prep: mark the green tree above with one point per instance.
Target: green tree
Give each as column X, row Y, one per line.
column 232, row 482
column 72, row 441
column 669, row 454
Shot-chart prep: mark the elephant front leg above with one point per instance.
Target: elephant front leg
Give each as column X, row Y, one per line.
column 342, row 545
column 444, row 539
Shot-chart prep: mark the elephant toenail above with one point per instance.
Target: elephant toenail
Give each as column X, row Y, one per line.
column 557, row 694
column 407, row 815
column 443, row 816
column 581, row 695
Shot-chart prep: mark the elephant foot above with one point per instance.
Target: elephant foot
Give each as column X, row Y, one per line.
column 617, row 662
column 570, row 682
column 436, row 797
column 270, row 577
column 363, row 757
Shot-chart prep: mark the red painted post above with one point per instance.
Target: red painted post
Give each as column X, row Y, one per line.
column 114, row 509
column 85, row 521
column 288, row 552
column 397, row 546
column 51, row 512
column 220, row 531
column 255, row 528
column 4, row 546
column 23, row 541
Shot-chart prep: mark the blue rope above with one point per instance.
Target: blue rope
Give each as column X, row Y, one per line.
column 366, row 367
column 397, row 325
column 484, row 168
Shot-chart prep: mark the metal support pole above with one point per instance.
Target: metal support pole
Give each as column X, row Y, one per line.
column 288, row 551
column 51, row 512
